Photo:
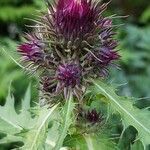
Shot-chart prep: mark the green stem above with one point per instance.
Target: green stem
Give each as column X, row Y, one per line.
column 66, row 124
column 89, row 142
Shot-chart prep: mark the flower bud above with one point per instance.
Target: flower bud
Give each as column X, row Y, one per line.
column 69, row 74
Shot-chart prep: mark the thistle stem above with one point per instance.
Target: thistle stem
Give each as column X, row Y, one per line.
column 66, row 122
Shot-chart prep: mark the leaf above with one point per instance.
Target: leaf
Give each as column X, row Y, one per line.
column 129, row 113
column 52, row 136
column 137, row 146
column 23, row 127
column 89, row 142
column 66, row 122
column 36, row 137
column 10, row 121
column 145, row 17
column 98, row 142
column 75, row 142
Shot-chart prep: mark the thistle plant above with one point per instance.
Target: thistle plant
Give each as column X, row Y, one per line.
column 71, row 48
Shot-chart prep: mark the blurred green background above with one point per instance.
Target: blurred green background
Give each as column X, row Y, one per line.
column 12, row 26
column 133, row 79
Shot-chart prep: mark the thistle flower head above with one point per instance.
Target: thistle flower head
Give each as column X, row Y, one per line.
column 33, row 50
column 73, row 41
column 104, row 58
column 69, row 74
column 106, row 23
column 74, row 18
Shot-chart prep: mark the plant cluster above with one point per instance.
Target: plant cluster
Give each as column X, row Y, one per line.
column 71, row 48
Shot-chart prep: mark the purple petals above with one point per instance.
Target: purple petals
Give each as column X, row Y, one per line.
column 75, row 18
column 69, row 74
column 30, row 50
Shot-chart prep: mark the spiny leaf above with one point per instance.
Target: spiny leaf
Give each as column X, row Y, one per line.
column 10, row 121
column 22, row 127
column 36, row 137
column 129, row 113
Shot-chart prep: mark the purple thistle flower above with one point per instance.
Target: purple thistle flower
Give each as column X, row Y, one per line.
column 75, row 18
column 69, row 74
column 107, row 56
column 30, row 51
column 72, row 42
column 104, row 58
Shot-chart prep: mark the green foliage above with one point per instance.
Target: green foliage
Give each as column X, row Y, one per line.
column 137, row 43
column 23, row 127
column 14, row 2
column 15, row 14
column 145, row 17
column 66, row 122
column 15, row 10
column 42, row 128
column 8, row 70
column 134, row 50
column 89, row 142
column 33, row 131
column 131, row 116
column 36, row 137
column 12, row 123
column 137, row 146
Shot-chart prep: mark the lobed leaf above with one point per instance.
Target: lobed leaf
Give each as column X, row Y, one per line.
column 32, row 131
column 131, row 115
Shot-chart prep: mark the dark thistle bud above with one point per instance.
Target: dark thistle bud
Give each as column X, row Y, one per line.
column 47, row 84
column 92, row 116
column 89, row 121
